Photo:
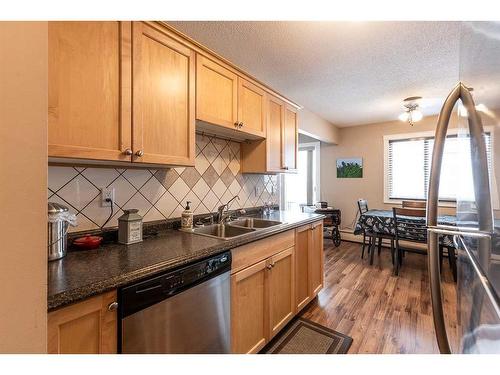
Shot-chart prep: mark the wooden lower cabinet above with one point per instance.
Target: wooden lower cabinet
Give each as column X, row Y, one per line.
column 281, row 290
column 87, row 327
column 316, row 258
column 272, row 280
column 309, row 258
column 262, row 301
column 302, row 273
column 249, row 309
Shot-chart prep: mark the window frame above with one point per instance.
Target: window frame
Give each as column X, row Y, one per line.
column 426, row 135
column 315, row 147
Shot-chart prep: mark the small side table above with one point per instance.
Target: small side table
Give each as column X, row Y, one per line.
column 332, row 221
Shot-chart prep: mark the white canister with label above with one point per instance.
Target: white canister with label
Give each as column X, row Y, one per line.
column 130, row 227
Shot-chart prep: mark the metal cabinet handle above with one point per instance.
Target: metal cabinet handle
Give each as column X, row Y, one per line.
column 480, row 176
column 269, row 266
column 113, row 306
column 128, row 152
column 139, row 153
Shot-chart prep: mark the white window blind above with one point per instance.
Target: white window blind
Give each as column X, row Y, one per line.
column 409, row 165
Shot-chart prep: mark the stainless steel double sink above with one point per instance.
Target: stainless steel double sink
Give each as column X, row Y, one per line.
column 235, row 228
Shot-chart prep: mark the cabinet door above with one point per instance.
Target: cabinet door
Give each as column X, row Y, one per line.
column 251, row 108
column 316, row 258
column 249, row 309
column 87, row 327
column 164, row 98
column 303, row 291
column 274, row 142
column 289, row 145
column 89, row 90
column 216, row 93
column 281, row 290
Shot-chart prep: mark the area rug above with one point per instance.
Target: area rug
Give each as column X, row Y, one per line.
column 302, row 336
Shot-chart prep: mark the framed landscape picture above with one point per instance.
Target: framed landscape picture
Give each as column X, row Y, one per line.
column 350, row 168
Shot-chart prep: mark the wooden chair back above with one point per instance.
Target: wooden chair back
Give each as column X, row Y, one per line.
column 362, row 206
column 406, row 227
column 414, row 204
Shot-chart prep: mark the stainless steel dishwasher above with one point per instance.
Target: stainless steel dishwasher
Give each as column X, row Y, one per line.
column 183, row 311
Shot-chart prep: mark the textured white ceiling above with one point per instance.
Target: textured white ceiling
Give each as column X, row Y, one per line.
column 349, row 73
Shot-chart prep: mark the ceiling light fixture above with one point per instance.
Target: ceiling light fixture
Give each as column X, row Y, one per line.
column 412, row 113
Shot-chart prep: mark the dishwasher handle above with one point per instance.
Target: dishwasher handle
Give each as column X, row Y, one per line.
column 148, row 289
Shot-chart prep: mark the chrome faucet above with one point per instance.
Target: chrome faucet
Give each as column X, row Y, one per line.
column 221, row 215
column 268, row 207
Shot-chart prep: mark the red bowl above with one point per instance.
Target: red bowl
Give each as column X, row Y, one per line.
column 88, row 242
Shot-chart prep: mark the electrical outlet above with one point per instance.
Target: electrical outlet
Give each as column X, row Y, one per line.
column 107, row 194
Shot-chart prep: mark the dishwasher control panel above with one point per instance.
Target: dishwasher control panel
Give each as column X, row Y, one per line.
column 142, row 294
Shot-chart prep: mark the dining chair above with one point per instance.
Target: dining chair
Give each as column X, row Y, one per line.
column 418, row 233
column 406, row 228
column 452, row 259
column 373, row 236
column 362, row 208
column 414, row 204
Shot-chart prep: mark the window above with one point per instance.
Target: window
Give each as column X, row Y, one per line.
column 302, row 188
column 408, row 165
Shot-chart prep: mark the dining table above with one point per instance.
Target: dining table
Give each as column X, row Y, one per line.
column 382, row 222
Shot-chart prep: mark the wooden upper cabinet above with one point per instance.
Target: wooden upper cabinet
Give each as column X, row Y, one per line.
column 249, row 308
column 216, row 93
column 89, row 90
column 87, row 327
column 275, row 122
column 278, row 152
column 290, row 139
column 163, row 98
column 251, row 108
column 281, row 290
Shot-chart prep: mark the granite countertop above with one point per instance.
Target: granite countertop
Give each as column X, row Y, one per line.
column 81, row 274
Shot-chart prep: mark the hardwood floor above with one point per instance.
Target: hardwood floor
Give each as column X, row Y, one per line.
column 381, row 312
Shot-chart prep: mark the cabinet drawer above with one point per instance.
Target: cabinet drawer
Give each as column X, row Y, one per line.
column 254, row 252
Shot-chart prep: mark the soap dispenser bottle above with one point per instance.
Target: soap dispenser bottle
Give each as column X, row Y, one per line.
column 187, row 217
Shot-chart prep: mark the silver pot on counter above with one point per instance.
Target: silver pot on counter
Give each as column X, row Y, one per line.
column 58, row 223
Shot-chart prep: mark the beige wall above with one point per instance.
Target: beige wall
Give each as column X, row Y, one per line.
column 314, row 126
column 366, row 141
column 23, row 172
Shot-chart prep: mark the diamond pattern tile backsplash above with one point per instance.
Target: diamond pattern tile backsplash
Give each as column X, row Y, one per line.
column 161, row 193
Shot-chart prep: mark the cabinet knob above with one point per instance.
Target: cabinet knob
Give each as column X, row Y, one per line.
column 236, row 124
column 139, row 153
column 285, row 168
column 240, row 125
column 112, row 306
column 128, row 151
column 269, row 266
